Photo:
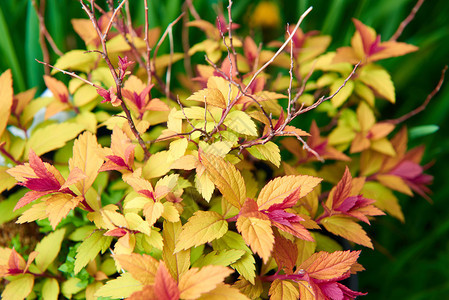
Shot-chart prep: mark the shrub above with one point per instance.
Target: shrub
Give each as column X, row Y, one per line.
column 150, row 183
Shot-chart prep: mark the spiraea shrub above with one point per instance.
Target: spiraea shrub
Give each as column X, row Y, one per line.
column 198, row 174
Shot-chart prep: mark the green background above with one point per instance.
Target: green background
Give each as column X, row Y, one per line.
column 411, row 260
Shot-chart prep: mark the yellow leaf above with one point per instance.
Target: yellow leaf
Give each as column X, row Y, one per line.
column 119, row 288
column 135, row 222
column 283, row 290
column 269, row 151
column 204, row 186
column 142, row 267
column 48, row 249
column 385, row 199
column 211, row 96
column 258, row 234
column 379, row 80
column 59, row 205
column 343, row 94
column 348, row 229
column 365, row 93
column 6, row 180
column 19, row 288
column 71, row 286
column 279, row 188
column 6, row 96
column 383, row 146
column 226, row 177
column 241, row 122
column 77, row 60
column 395, row 183
column 219, row 258
column 306, row 290
column 90, row 248
column 201, row 228
column 365, row 116
column 196, row 282
column 177, row 149
column 153, row 211
column 36, row 212
column 253, row 290
column 84, row 95
column 86, row 157
column 157, row 165
column 52, row 137
column 177, row 263
column 223, row 292
column 170, row 212
column 224, row 86
column 305, row 249
column 50, row 289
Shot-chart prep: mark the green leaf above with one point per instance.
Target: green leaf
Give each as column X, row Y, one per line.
column 241, row 122
column 70, row 287
column 269, row 151
column 119, row 288
column 48, row 249
column 219, row 258
column 52, row 137
column 90, row 248
column 420, row 131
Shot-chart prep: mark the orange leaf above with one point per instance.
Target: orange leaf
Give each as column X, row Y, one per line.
column 6, row 96
column 257, row 233
column 285, row 252
column 324, row 266
column 348, row 229
column 278, row 189
column 59, row 205
column 226, row 177
column 196, row 282
column 142, row 267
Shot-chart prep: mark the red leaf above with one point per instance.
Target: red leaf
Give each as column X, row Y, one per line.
column 165, row 286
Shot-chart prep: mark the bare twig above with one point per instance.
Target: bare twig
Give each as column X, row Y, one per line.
column 424, row 104
column 281, row 48
column 193, row 10
column 407, row 20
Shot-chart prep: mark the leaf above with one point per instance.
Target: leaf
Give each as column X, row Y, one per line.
column 325, row 266
column 157, row 165
column 87, row 158
column 385, row 199
column 278, row 189
column 283, row 290
column 269, row 151
column 258, row 234
column 48, row 249
column 219, row 258
column 51, row 137
column 343, row 94
column 142, row 267
column 285, row 252
column 165, row 287
column 211, row 96
column 379, row 80
column 226, row 177
column 119, row 288
column 77, row 60
column 19, row 288
column 90, row 248
column 177, row 263
column 59, row 206
column 201, row 228
column 6, row 96
column 348, row 229
column 251, row 290
column 50, row 289
column 305, row 249
column 223, row 292
column 6, row 180
column 241, row 122
column 196, row 282
column 246, row 264
column 177, row 149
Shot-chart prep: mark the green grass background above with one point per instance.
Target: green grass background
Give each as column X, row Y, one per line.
column 412, row 259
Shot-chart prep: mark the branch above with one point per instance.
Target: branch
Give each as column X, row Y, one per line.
column 424, row 104
column 407, row 20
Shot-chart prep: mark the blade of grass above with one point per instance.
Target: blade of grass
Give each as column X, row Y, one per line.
column 9, row 54
column 34, row 70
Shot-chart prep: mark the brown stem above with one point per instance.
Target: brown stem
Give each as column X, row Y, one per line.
column 423, row 105
column 407, row 20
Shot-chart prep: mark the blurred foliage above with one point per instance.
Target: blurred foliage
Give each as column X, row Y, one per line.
column 412, row 261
